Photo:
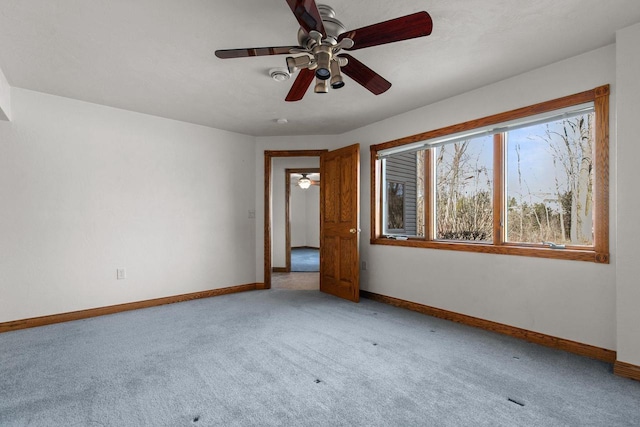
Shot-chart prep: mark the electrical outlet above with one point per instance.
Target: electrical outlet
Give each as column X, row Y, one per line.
column 121, row 274
column 363, row 265
column 252, row 214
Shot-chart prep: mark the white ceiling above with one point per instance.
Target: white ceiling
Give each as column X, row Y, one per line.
column 312, row 176
column 157, row 56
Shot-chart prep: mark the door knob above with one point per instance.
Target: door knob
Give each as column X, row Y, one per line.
column 354, row 230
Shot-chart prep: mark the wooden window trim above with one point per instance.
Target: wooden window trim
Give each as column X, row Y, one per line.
column 499, row 215
column 598, row 253
column 430, row 195
column 601, row 207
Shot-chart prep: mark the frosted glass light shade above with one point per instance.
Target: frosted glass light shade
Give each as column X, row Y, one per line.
column 304, row 183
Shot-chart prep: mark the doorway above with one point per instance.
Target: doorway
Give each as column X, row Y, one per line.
column 339, row 219
column 271, row 235
column 302, row 220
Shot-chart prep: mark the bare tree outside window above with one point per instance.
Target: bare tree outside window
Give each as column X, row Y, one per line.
column 464, row 190
column 550, row 170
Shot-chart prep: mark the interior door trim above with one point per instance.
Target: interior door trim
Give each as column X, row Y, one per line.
column 268, row 157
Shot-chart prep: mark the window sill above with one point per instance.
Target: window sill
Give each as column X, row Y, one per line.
column 571, row 254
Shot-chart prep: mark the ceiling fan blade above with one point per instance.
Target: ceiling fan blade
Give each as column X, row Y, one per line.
column 300, row 86
column 406, row 27
column 308, row 16
column 255, row 51
column 364, row 75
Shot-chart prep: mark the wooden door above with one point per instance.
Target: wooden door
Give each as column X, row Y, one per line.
column 339, row 225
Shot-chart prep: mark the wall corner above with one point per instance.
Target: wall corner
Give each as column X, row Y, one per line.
column 5, row 98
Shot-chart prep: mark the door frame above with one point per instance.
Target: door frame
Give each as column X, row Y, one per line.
column 287, row 210
column 268, row 202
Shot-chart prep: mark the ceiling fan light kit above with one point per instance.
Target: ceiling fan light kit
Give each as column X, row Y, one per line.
column 336, row 78
column 322, row 86
column 324, row 57
column 304, row 182
column 322, row 37
column 295, row 64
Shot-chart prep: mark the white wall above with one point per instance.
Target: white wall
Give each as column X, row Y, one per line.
column 305, row 216
column 568, row 299
column 628, row 177
column 298, row 216
column 86, row 189
column 312, row 220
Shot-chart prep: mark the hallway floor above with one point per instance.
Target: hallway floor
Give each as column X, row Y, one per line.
column 299, row 281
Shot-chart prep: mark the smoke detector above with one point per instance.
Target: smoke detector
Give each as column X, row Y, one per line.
column 279, row 74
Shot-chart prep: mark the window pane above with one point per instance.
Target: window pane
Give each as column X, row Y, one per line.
column 550, row 176
column 464, row 190
column 403, row 198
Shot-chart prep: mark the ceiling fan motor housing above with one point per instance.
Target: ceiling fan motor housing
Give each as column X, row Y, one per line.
column 332, row 26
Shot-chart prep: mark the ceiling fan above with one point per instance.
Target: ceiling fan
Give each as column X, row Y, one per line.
column 305, row 182
column 321, row 37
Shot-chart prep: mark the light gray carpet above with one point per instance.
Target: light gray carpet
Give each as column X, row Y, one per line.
column 298, row 358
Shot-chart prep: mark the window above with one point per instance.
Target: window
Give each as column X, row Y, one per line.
column 403, row 195
column 550, row 182
column 532, row 181
column 463, row 190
